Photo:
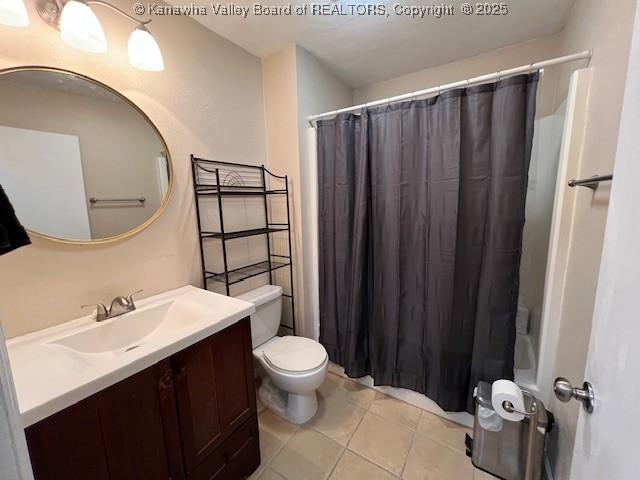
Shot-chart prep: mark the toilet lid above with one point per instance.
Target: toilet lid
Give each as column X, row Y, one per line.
column 295, row 354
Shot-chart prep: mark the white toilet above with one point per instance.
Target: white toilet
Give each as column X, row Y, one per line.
column 296, row 365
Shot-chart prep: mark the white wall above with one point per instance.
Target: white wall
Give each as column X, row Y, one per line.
column 43, row 177
column 503, row 58
column 605, row 27
column 606, row 441
column 281, row 114
column 297, row 85
column 208, row 101
column 318, row 91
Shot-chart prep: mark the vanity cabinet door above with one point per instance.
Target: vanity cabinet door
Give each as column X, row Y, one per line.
column 136, row 430
column 215, row 390
column 68, row 445
column 235, row 378
column 197, row 402
column 124, row 432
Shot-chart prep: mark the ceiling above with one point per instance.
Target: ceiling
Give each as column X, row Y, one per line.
column 362, row 49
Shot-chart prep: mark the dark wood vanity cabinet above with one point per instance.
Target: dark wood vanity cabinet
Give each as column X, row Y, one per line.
column 213, row 391
column 191, row 416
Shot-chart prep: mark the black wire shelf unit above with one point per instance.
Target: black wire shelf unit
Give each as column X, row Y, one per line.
column 218, row 180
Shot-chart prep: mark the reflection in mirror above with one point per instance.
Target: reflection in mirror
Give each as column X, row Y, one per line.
column 77, row 160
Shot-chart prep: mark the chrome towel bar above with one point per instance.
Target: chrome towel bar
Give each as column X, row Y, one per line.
column 98, row 200
column 591, row 182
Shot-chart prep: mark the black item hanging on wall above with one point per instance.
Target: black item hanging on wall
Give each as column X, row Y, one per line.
column 12, row 233
column 421, row 210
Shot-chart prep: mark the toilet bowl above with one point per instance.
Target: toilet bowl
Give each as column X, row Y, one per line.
column 297, row 366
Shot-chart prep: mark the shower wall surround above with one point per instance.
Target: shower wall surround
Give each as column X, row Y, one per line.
column 208, row 100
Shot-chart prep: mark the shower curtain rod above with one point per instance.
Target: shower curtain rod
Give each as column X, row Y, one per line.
column 462, row 83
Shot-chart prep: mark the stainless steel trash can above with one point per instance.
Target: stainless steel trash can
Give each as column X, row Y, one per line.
column 509, row 450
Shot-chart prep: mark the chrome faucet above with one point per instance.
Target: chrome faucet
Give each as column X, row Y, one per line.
column 119, row 306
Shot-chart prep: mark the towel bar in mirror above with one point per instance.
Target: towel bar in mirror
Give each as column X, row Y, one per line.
column 74, row 150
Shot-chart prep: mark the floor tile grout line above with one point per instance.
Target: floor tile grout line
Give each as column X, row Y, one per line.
column 299, row 429
column 347, row 398
column 391, row 421
column 356, row 429
column 371, row 460
column 344, row 449
column 373, row 463
column 430, row 437
column 344, row 397
column 270, row 461
column 311, row 427
column 415, row 430
column 422, row 410
column 449, row 447
column 406, row 459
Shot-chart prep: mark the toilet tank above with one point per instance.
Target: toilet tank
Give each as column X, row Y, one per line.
column 266, row 319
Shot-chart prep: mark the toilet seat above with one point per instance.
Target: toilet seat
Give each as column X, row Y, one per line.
column 295, row 354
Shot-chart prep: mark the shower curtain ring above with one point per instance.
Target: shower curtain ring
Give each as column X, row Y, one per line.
column 499, row 74
column 530, row 68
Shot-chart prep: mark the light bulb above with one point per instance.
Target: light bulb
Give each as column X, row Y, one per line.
column 80, row 28
column 13, row 13
column 144, row 52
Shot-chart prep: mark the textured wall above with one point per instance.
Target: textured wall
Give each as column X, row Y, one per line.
column 297, row 85
column 208, row 101
column 503, row 58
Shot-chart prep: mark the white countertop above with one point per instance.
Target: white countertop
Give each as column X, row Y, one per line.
column 50, row 377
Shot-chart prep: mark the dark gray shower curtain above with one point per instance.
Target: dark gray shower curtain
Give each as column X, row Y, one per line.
column 421, row 211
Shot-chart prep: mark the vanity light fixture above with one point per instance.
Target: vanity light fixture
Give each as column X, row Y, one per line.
column 144, row 52
column 80, row 28
column 13, row 13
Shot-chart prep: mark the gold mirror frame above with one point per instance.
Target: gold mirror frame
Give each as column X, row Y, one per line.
column 167, row 197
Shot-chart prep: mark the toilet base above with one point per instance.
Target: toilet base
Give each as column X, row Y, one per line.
column 301, row 407
column 296, row 408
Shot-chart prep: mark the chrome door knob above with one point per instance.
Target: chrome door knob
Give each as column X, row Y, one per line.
column 565, row 391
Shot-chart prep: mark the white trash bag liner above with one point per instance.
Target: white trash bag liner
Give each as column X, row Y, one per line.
column 489, row 419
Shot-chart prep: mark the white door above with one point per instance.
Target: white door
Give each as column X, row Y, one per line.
column 54, row 203
column 607, row 445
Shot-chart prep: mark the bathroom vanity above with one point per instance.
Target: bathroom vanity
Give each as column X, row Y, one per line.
column 185, row 407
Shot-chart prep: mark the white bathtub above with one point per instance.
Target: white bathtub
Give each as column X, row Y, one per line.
column 525, row 362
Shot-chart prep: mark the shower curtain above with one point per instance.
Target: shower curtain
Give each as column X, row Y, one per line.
column 421, row 211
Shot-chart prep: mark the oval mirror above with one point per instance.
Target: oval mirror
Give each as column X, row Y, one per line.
column 79, row 161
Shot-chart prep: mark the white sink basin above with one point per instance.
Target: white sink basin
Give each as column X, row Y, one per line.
column 124, row 333
column 59, row 366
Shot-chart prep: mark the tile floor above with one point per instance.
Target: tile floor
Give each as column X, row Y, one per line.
column 360, row 433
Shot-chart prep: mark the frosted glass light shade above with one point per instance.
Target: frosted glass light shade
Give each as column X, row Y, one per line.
column 80, row 28
column 144, row 52
column 13, row 13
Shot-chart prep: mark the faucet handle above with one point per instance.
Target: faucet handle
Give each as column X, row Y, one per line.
column 101, row 311
column 130, row 297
